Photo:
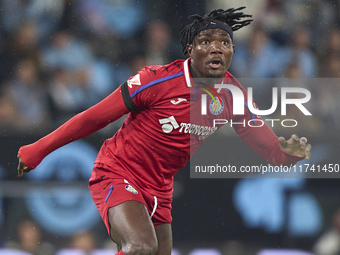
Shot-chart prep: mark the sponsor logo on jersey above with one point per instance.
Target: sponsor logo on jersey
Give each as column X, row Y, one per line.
column 131, row 189
column 178, row 100
column 202, row 131
column 135, row 80
column 169, row 124
column 216, row 106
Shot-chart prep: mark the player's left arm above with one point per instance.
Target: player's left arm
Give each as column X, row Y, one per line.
column 261, row 138
column 276, row 150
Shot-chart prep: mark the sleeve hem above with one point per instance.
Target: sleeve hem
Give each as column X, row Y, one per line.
column 130, row 105
column 24, row 159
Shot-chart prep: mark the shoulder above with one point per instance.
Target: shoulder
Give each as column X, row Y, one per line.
column 229, row 79
column 157, row 72
column 154, row 75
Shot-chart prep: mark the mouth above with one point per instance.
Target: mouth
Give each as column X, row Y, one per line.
column 215, row 63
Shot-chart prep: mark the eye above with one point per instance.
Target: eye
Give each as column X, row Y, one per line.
column 225, row 42
column 205, row 42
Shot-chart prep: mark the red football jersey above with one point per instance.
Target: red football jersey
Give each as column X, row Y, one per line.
column 151, row 146
column 164, row 128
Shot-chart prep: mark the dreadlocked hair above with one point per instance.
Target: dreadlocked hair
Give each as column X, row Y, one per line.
column 232, row 17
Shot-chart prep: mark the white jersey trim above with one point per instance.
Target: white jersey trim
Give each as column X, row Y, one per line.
column 187, row 72
column 154, row 207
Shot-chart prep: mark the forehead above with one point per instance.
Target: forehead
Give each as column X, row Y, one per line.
column 213, row 32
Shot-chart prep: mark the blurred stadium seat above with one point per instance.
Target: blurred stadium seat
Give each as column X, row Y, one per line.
column 282, row 252
column 13, row 252
column 205, row 252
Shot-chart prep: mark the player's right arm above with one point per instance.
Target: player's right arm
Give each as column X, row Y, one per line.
column 81, row 125
column 132, row 95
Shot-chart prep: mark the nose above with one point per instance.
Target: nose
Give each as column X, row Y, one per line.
column 215, row 48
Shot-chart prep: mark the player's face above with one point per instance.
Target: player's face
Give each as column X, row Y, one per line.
column 211, row 53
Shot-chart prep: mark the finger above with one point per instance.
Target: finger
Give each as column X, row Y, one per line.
column 19, row 169
column 295, row 138
column 20, row 172
column 22, row 168
column 282, row 142
column 309, row 147
column 308, row 154
column 303, row 140
column 26, row 169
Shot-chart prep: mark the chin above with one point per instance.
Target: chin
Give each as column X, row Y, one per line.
column 218, row 74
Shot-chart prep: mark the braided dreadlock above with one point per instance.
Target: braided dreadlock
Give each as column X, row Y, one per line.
column 231, row 17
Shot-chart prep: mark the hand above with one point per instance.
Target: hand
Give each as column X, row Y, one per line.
column 296, row 146
column 22, row 167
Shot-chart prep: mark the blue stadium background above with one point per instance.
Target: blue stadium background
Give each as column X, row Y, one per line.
column 60, row 57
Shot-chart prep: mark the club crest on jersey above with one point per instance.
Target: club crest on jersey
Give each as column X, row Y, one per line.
column 131, row 189
column 216, row 106
column 135, row 80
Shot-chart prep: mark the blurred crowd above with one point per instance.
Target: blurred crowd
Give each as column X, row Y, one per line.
column 59, row 57
column 29, row 240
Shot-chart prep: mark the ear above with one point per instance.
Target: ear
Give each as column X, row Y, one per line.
column 189, row 49
column 233, row 48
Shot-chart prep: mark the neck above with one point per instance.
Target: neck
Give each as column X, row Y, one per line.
column 193, row 70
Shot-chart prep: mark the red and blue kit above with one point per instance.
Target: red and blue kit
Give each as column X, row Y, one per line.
column 163, row 129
